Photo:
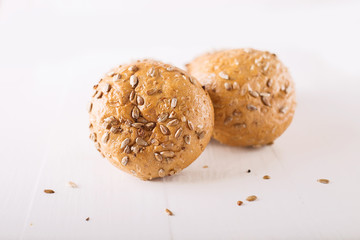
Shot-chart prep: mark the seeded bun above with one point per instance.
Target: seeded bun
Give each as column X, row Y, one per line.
column 150, row 119
column 252, row 93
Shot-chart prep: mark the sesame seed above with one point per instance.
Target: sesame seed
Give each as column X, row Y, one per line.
column 154, row 142
column 172, row 114
column 127, row 149
column 223, row 75
column 133, row 81
column 169, row 69
column 269, row 82
column 151, row 72
column 236, row 85
column 265, row 94
column 251, row 198
column 323, row 181
column 173, row 102
column 151, row 92
column 236, row 113
column 183, row 119
column 251, row 107
column 239, row 125
column 124, row 160
column 201, row 135
column 170, row 213
column 239, row 203
column 93, row 137
column 124, row 143
column 164, row 130
column 117, row 77
column 161, row 172
column 227, row 120
column 137, row 125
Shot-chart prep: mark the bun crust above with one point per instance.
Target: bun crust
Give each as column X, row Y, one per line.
column 150, row 119
column 252, row 92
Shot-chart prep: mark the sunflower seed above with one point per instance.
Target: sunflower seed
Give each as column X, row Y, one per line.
column 151, row 72
column 227, row 120
column 93, row 137
column 89, row 108
column 167, row 154
column 236, row 85
column 201, row 135
column 154, row 142
column 141, row 142
column 158, row 157
column 99, row 94
column 107, row 125
column 164, row 130
column 151, row 92
column 178, row 133
column 187, row 139
column 124, row 143
column 183, row 119
column 137, row 125
column 127, row 149
column 162, row 117
column 105, row 138
column 190, row 125
column 124, row 160
column 142, row 120
column 173, row 102
column 251, row 107
column 172, row 172
column 117, row 77
column 223, row 75
column 227, row 86
column 133, row 81
column 150, row 126
column 132, row 96
column 140, row 100
column 169, row 69
column 173, row 122
column 265, row 101
column 135, row 113
column 283, row 109
column 133, row 68
column 115, row 130
column 128, row 123
column 265, row 94
column 254, row 93
column 135, row 149
column 112, row 120
column 269, row 82
column 239, row 125
column 287, row 89
column 161, row 172
column 191, row 80
column 106, row 88
column 236, row 113
column 172, row 114
column 167, row 145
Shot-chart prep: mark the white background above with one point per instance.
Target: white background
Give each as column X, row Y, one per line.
column 52, row 52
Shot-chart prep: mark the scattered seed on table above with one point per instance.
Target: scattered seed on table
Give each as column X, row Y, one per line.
column 72, row 184
column 251, row 198
column 49, row 191
column 323, row 181
column 239, row 203
column 170, row 213
column 266, row 177
column 87, row 219
column 249, row 171
column 205, row 166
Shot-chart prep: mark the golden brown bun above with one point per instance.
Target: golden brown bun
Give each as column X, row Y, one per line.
column 150, row 119
column 252, row 93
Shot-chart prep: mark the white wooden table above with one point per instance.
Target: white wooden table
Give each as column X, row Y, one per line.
column 52, row 52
